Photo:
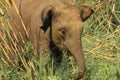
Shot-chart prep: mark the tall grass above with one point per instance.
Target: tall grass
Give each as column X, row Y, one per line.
column 100, row 41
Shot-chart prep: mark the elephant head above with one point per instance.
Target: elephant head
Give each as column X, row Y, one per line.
column 66, row 25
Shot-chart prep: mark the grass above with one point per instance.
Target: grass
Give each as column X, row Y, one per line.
column 100, row 41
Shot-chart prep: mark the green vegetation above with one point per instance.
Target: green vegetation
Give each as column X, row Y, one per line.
column 101, row 46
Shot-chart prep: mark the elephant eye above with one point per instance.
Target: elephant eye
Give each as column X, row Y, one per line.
column 63, row 31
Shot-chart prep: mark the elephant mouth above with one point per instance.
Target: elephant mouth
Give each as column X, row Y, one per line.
column 66, row 51
column 61, row 48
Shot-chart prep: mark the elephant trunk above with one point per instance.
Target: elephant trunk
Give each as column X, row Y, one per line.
column 74, row 46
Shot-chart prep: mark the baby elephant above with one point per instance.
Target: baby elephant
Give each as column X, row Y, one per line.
column 50, row 23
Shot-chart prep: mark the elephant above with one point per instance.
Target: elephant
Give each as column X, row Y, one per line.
column 50, row 23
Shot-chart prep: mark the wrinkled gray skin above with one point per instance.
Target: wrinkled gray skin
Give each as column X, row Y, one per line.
column 51, row 23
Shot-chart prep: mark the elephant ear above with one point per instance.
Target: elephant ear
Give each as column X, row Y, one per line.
column 46, row 17
column 85, row 12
